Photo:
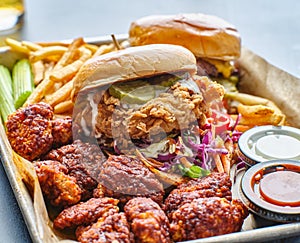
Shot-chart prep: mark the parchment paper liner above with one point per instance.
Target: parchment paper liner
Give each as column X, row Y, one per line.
column 263, row 79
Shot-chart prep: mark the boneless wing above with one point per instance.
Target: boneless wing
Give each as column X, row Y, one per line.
column 29, row 130
column 206, row 217
column 57, row 186
column 62, row 131
column 214, row 185
column 113, row 228
column 125, row 177
column 84, row 162
column 85, row 213
column 147, row 220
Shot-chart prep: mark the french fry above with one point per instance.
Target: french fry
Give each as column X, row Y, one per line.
column 255, row 110
column 46, row 52
column 56, row 86
column 38, row 70
column 104, row 49
column 68, row 56
column 260, row 115
column 48, row 69
column 85, row 53
column 60, row 95
column 63, row 107
column 39, row 92
column 67, row 72
column 91, row 47
column 17, row 46
column 46, row 85
column 54, row 43
column 31, row 45
column 274, row 119
column 247, row 99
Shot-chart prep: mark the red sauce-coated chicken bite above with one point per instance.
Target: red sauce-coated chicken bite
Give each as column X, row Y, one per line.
column 113, row 228
column 84, row 162
column 214, row 185
column 62, row 131
column 57, row 186
column 85, row 213
column 29, row 130
column 206, row 217
column 125, row 177
column 147, row 220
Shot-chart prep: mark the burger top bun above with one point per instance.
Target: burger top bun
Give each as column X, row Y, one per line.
column 204, row 35
column 132, row 63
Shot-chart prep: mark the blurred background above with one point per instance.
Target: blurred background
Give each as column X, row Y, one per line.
column 270, row 28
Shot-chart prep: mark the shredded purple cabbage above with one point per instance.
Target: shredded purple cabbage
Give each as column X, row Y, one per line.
column 169, row 164
column 166, row 157
column 202, row 147
column 207, row 138
column 236, row 122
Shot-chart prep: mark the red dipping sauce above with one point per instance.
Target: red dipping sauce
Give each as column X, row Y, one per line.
column 281, row 188
column 271, row 190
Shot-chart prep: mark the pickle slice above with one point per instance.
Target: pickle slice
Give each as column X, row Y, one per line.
column 133, row 92
column 166, row 80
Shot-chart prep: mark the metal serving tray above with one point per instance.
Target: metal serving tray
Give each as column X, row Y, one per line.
column 249, row 233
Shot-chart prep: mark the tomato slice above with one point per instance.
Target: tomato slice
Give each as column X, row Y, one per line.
column 222, row 121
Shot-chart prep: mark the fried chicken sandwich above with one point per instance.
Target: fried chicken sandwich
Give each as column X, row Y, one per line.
column 141, row 96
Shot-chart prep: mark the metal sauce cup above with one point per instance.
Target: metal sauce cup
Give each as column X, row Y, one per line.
column 270, row 190
column 264, row 143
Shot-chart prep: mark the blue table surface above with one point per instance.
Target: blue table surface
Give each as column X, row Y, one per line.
column 270, row 28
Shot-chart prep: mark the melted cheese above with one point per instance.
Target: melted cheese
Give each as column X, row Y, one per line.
column 223, row 67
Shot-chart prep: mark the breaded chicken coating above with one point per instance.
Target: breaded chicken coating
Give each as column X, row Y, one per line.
column 62, row 131
column 113, row 228
column 57, row 186
column 29, row 130
column 125, row 177
column 214, row 185
column 84, row 162
column 206, row 217
column 147, row 220
column 85, row 213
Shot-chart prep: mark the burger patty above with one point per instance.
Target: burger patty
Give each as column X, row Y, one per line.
column 204, row 68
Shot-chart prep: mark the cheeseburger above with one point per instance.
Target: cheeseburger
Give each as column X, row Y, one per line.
column 140, row 96
column 215, row 43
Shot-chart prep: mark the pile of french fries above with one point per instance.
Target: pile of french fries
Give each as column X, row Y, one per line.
column 255, row 111
column 54, row 66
